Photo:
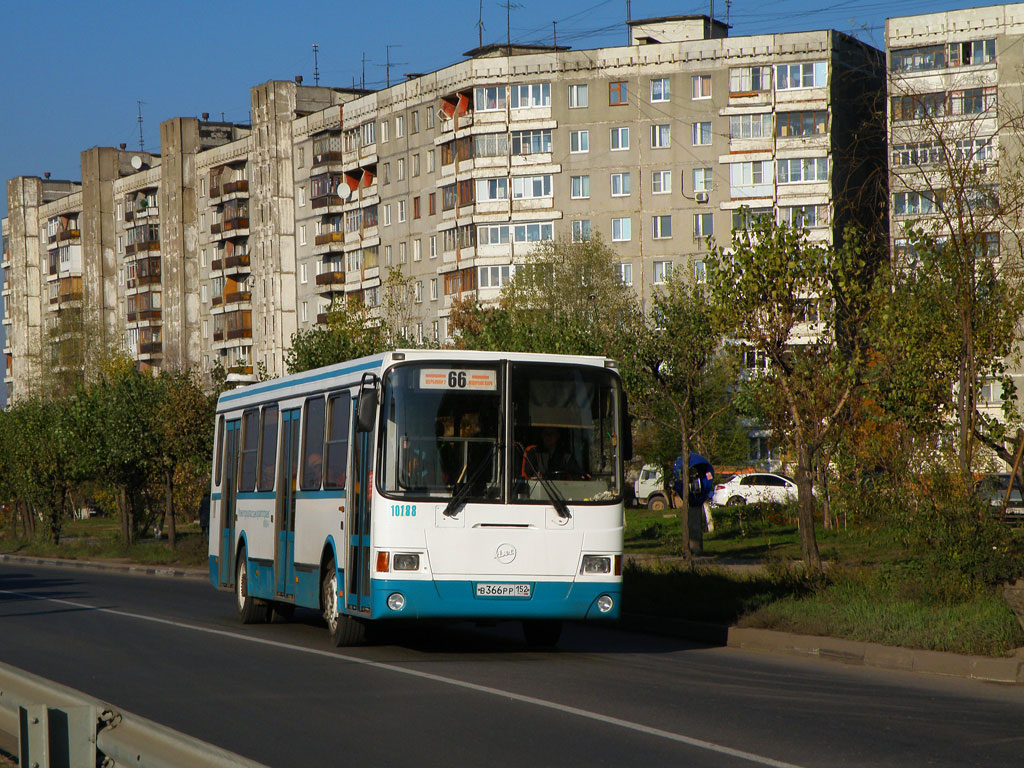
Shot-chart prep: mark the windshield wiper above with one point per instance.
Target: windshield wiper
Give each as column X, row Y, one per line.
column 554, row 495
column 462, row 490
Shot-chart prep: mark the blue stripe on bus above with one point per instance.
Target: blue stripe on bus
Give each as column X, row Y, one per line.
column 257, row 495
column 457, row 600
column 215, row 496
column 333, row 493
column 270, row 387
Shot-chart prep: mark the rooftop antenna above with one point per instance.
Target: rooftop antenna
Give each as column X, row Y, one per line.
column 142, row 143
column 480, row 24
column 629, row 18
column 554, row 34
column 508, row 5
column 316, row 64
column 362, row 83
column 711, row 10
column 728, row 6
column 388, row 63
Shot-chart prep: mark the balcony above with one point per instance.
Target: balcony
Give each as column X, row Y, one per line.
column 132, row 317
column 233, row 262
column 329, row 237
column 149, row 314
column 229, row 225
column 150, row 348
column 148, row 245
column 68, row 234
column 148, row 280
column 335, row 281
column 218, row 335
column 236, row 187
column 217, row 301
column 332, row 203
column 216, row 265
column 236, row 296
column 321, row 318
column 327, row 157
column 239, row 333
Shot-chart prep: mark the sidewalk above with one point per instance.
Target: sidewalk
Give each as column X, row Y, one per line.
column 991, row 669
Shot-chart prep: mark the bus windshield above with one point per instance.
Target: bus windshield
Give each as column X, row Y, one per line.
column 446, row 431
column 443, row 424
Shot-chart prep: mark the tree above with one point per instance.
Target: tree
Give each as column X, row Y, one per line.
column 565, row 298
column 680, row 377
column 183, row 420
column 958, row 197
column 803, row 307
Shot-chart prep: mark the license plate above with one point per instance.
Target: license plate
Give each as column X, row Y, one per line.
column 503, row 590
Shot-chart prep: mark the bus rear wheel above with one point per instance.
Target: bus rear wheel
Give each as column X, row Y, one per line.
column 251, row 610
column 342, row 629
column 542, row 633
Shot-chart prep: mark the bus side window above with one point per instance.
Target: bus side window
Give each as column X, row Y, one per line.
column 313, row 444
column 339, row 418
column 250, row 444
column 268, row 448
column 220, row 447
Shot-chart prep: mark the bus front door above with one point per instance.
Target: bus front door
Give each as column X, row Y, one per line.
column 232, row 430
column 284, row 551
column 358, row 567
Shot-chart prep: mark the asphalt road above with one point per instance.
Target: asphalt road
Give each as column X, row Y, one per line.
column 171, row 650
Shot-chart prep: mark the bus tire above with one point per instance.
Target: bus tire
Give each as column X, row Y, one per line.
column 251, row 610
column 542, row 633
column 342, row 629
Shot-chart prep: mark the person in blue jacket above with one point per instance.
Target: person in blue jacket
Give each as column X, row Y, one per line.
column 701, row 479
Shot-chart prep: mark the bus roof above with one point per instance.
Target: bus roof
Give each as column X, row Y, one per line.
column 350, row 372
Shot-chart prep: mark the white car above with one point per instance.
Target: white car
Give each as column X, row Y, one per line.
column 754, row 488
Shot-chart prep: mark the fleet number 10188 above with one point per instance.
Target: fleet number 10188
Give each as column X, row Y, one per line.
column 403, row 510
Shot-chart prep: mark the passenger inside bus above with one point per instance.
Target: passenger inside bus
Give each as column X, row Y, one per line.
column 551, row 458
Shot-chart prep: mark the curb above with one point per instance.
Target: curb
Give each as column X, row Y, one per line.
column 93, row 565
column 991, row 669
column 1009, row 670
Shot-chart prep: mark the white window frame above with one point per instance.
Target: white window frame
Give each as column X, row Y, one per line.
column 662, row 272
column 579, row 142
column 616, row 136
column 579, row 96
column 699, row 133
column 701, row 223
column 579, row 187
column 620, row 184
column 661, row 226
column 580, row 230
column 661, row 135
column 661, row 90
column 697, row 90
column 661, row 182
column 622, row 229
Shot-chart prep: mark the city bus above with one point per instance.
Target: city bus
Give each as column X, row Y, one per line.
column 424, row 484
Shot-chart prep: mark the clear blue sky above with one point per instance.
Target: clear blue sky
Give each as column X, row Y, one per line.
column 73, row 72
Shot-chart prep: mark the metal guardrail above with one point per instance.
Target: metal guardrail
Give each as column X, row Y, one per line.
column 49, row 725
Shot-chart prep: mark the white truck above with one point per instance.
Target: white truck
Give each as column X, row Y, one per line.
column 650, row 489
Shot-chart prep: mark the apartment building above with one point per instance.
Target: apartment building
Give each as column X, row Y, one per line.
column 235, row 236
column 954, row 123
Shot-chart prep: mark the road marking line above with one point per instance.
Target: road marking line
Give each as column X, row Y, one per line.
column 522, row 698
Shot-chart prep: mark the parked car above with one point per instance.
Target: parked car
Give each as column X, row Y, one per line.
column 992, row 489
column 754, row 488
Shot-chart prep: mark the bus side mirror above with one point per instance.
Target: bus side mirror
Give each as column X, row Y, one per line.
column 366, row 406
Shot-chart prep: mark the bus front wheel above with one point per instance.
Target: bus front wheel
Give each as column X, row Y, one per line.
column 251, row 610
column 540, row 633
column 343, row 630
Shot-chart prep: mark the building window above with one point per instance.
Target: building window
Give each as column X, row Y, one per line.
column 387, row 256
column 661, row 182
column 531, row 142
column 911, row 203
column 401, row 211
column 621, row 229
column 531, row 187
column 703, row 225
column 416, row 164
column 578, row 96
column 750, row 79
column 700, row 87
column 744, row 218
column 581, row 230
column 385, row 130
column 303, row 274
column 618, row 93
column 579, row 141
column 801, row 123
column 751, row 174
column 941, row 56
column 619, row 139
column 701, row 134
column 305, row 311
column 580, row 187
column 661, row 135
column 494, row 277
column 302, row 234
column 415, row 116
column 387, row 214
column 416, row 207
column 811, row 74
column 433, row 246
column 399, row 126
column 808, row 216
column 489, row 98
column 419, row 285
column 401, row 252
column 432, row 206
column 662, row 227
column 433, row 289
column 430, row 161
column 620, row 185
column 625, row 273
column 702, row 181
column 700, row 274
column 660, row 89
column 531, row 96
column 800, row 170
column 662, row 272
column 751, row 126
column 400, row 175
column 385, row 175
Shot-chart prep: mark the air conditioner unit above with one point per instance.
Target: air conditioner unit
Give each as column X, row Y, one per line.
column 701, row 197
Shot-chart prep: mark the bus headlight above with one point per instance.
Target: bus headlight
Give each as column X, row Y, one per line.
column 405, row 562
column 396, row 601
column 596, row 564
column 605, row 603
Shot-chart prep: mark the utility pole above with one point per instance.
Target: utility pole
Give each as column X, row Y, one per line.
column 480, row 25
column 316, row 64
column 554, row 34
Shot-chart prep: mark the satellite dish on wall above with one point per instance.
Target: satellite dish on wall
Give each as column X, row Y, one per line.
column 344, row 191
column 136, row 162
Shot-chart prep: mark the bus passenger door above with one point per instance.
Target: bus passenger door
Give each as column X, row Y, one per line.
column 357, row 596
column 284, row 551
column 232, row 430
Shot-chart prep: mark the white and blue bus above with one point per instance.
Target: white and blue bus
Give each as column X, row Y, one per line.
column 424, row 484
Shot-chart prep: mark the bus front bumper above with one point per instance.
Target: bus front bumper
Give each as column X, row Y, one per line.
column 421, row 599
